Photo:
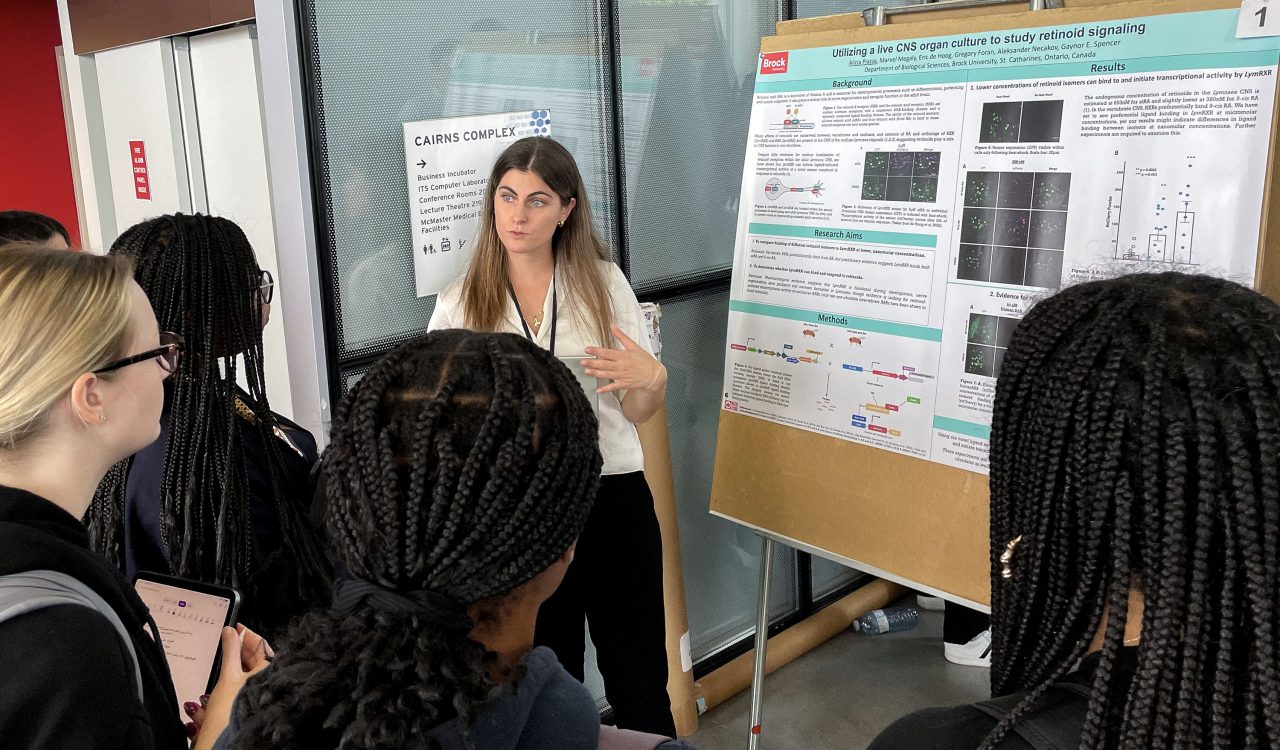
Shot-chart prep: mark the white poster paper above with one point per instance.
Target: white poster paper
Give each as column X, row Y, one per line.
column 906, row 202
column 447, row 163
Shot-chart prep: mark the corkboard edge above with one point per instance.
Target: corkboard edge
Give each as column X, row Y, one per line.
column 794, row 485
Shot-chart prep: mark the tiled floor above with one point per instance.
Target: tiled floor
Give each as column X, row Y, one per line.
column 841, row 694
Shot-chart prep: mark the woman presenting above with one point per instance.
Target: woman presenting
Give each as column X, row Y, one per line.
column 541, row 271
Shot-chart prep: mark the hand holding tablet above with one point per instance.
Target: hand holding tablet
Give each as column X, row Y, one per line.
column 190, row 616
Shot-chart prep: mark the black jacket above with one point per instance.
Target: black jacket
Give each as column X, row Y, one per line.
column 549, row 710
column 965, row 727
column 271, row 596
column 66, row 678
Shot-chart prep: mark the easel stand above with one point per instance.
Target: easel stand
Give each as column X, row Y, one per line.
column 762, row 638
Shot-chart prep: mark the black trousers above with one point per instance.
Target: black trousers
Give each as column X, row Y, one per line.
column 615, row 582
column 960, row 624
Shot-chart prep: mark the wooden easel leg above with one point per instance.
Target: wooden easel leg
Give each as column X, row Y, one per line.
column 762, row 640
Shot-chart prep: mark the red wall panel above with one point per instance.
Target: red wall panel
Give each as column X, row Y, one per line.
column 35, row 163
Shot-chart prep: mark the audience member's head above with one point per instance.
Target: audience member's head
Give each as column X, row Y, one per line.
column 69, row 375
column 1136, row 456
column 204, row 282
column 203, row 278
column 28, row 226
column 462, row 469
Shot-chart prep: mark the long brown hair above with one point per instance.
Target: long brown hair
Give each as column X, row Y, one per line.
column 576, row 247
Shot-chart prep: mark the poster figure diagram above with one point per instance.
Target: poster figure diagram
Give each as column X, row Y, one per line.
column 860, row 388
column 1162, row 221
column 901, row 176
column 793, row 121
column 774, row 189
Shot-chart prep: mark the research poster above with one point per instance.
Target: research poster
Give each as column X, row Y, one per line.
column 447, row 163
column 905, row 202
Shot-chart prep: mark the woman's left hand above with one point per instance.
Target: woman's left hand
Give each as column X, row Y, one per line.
column 630, row 368
column 214, row 713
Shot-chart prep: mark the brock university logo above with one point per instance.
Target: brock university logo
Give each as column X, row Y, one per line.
column 730, row 405
column 773, row 62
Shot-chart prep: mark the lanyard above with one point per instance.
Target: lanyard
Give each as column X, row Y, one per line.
column 554, row 312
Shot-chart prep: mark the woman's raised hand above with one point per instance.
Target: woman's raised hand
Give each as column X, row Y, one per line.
column 630, row 368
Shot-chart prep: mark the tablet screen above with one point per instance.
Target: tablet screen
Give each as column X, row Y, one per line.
column 190, row 624
column 589, row 383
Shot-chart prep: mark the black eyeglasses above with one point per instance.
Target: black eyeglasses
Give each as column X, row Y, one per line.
column 168, row 354
column 266, row 287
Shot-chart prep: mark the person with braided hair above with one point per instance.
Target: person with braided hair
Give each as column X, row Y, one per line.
column 1135, row 525
column 462, row 469
column 222, row 495
column 82, row 367
column 541, row 270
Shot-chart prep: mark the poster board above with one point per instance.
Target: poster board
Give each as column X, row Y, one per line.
column 890, row 513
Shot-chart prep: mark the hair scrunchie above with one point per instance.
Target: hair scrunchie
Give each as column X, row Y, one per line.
column 352, row 594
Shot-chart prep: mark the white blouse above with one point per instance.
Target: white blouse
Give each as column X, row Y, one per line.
column 619, row 441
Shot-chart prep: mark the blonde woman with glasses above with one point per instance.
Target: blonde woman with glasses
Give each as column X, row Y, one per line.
column 82, row 367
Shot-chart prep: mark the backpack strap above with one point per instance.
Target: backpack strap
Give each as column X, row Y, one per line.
column 33, row 590
column 1053, row 723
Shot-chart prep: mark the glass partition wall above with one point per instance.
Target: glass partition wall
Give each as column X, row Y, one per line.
column 653, row 99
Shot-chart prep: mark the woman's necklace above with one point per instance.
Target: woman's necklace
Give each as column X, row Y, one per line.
column 535, row 321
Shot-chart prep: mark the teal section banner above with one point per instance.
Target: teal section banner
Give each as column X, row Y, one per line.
column 960, row 427
column 923, row 333
column 846, row 235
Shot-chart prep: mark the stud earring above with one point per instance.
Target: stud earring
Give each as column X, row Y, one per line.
column 102, row 417
column 1006, row 557
column 560, row 223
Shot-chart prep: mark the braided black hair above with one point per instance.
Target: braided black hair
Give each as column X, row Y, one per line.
column 203, row 281
column 1136, row 445
column 462, row 466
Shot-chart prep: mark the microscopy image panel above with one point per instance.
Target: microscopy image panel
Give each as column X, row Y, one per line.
column 1004, row 333
column 926, row 164
column 1000, row 121
column 974, row 263
column 900, row 163
column 1052, row 191
column 1044, row 268
column 924, row 189
column 1041, row 122
column 980, row 360
column 1015, row 190
column 977, row 225
column 1011, row 227
column 877, row 162
column 873, row 188
column 1008, row 264
column 982, row 329
column 980, row 189
column 1048, row 229
column 997, row 361
column 899, row 189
